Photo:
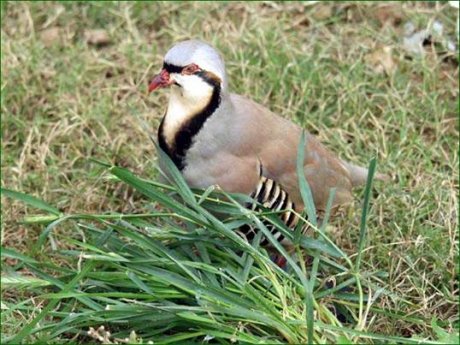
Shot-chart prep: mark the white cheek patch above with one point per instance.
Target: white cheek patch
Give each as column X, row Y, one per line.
column 186, row 101
column 193, row 88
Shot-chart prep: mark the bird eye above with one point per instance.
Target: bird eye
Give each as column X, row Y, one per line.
column 190, row 69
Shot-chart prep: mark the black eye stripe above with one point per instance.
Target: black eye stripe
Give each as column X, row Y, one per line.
column 210, row 78
column 172, row 68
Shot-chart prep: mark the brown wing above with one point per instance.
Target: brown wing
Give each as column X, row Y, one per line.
column 321, row 171
column 275, row 140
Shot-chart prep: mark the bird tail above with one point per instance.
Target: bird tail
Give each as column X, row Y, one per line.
column 359, row 174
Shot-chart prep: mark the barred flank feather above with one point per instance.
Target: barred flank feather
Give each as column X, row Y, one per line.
column 271, row 196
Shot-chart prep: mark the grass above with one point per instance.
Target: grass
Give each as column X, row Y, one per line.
column 65, row 101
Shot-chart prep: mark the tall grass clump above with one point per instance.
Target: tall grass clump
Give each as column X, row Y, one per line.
column 177, row 272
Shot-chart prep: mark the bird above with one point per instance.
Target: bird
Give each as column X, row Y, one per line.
column 219, row 138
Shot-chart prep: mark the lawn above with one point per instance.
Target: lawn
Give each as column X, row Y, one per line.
column 74, row 90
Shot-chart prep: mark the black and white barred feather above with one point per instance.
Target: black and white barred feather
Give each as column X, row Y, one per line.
column 271, row 196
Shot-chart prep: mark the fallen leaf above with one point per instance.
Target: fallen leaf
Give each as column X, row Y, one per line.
column 98, row 37
column 50, row 36
column 322, row 12
column 47, row 73
column 381, row 60
column 388, row 14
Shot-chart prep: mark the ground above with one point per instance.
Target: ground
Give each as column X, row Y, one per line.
column 74, row 87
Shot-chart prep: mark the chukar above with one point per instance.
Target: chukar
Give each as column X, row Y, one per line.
column 219, row 138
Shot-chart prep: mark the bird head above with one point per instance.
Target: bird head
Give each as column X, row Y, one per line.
column 192, row 69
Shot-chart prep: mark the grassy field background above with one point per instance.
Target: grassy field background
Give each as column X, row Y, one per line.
column 70, row 93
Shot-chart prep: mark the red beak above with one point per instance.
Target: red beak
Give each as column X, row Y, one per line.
column 160, row 80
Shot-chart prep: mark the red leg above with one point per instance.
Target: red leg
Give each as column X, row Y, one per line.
column 281, row 261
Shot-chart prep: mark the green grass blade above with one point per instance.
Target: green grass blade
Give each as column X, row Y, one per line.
column 30, row 200
column 12, row 254
column 321, row 246
column 28, row 329
column 45, row 233
column 363, row 223
column 369, row 335
column 154, row 194
column 305, row 189
column 22, row 282
column 327, row 214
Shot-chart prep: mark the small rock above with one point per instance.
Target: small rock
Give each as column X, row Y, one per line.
column 418, row 43
column 437, row 28
column 409, row 28
column 413, row 44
